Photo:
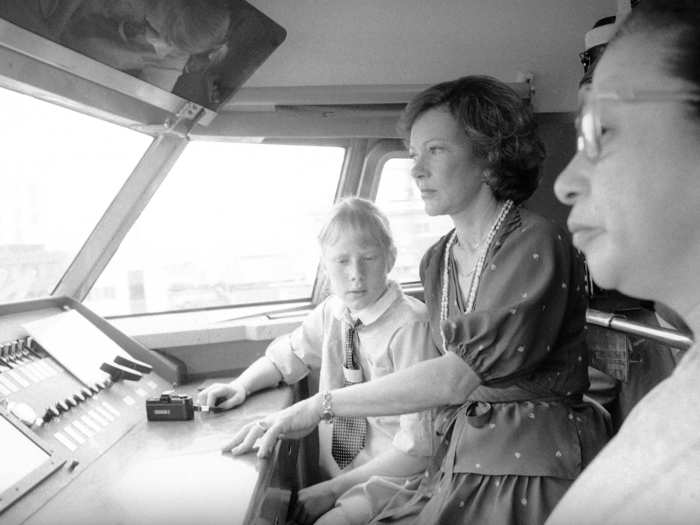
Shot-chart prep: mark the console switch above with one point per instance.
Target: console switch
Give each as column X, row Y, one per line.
column 118, row 372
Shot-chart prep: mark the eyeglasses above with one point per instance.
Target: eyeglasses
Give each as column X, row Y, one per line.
column 586, row 59
column 588, row 127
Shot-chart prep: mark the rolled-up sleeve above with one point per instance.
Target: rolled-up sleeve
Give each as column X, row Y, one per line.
column 411, row 344
column 295, row 353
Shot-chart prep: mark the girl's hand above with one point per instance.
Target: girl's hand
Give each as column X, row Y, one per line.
column 228, row 395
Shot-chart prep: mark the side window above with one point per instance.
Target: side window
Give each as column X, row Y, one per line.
column 233, row 223
column 414, row 231
column 60, row 171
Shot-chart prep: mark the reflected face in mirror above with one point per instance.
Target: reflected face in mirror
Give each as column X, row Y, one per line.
column 357, row 268
column 634, row 206
column 121, row 34
column 445, row 169
column 172, row 27
column 134, row 35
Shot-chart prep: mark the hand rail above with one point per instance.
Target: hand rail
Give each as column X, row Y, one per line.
column 666, row 336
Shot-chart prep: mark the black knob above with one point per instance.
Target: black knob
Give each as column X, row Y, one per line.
column 134, row 364
column 49, row 414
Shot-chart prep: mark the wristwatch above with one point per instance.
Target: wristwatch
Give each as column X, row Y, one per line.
column 327, row 413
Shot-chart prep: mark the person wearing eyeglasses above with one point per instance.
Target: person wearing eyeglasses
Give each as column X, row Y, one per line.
column 623, row 368
column 634, row 188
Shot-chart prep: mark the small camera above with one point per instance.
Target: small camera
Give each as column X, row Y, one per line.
column 170, row 407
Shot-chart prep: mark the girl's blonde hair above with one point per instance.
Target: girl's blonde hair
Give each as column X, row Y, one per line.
column 359, row 215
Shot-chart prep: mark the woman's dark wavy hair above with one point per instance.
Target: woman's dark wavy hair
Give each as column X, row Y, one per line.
column 499, row 124
column 678, row 20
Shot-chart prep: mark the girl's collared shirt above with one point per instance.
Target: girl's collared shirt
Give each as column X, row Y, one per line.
column 394, row 334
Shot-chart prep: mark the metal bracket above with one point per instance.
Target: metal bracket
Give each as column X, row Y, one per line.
column 178, row 125
column 529, row 78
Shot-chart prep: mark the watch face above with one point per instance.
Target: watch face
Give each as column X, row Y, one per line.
column 326, row 407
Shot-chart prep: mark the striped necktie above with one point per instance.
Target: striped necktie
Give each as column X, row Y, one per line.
column 349, row 433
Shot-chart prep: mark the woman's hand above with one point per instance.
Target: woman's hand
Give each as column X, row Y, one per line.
column 228, row 395
column 313, row 502
column 293, row 422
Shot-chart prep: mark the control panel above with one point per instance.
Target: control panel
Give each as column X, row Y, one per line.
column 96, row 428
column 71, row 386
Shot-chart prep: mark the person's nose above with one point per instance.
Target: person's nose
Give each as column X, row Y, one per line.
column 356, row 271
column 418, row 169
column 572, row 183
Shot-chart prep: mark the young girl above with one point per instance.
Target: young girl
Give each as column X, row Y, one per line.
column 387, row 331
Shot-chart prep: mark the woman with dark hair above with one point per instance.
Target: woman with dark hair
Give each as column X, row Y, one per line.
column 634, row 188
column 506, row 298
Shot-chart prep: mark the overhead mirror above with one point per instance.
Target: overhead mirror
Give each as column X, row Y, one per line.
column 199, row 50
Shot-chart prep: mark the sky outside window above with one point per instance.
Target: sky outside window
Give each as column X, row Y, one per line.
column 61, row 169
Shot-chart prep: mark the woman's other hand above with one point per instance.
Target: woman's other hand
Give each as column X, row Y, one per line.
column 223, row 396
column 293, row 422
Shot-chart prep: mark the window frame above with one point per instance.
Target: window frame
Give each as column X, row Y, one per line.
column 113, row 227
column 382, row 152
column 122, row 213
column 242, row 324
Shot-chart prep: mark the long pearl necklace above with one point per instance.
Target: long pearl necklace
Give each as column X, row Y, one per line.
column 476, row 274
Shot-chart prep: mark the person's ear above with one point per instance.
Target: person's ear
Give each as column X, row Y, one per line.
column 390, row 259
column 487, row 177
